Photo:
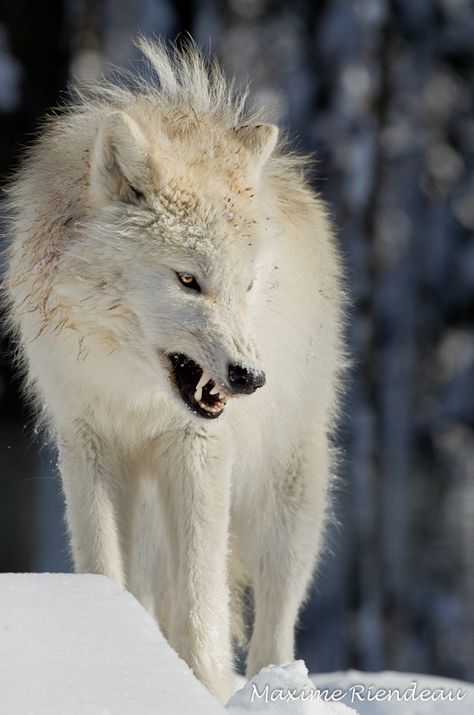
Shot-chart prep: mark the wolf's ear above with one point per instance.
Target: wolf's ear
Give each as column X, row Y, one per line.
column 119, row 161
column 259, row 140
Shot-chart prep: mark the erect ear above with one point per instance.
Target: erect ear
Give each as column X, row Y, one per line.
column 259, row 140
column 119, row 161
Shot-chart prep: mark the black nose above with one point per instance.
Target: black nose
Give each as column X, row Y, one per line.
column 244, row 380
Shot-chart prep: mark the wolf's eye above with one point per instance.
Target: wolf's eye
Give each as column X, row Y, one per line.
column 189, row 281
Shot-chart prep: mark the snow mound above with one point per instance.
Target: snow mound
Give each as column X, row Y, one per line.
column 78, row 645
column 283, row 690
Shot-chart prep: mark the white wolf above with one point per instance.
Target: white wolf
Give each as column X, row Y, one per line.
column 176, row 295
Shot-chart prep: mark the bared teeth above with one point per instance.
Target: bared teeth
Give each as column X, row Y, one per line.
column 203, row 380
column 217, row 407
column 222, row 394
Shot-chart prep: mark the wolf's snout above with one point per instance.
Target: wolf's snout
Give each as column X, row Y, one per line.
column 244, row 380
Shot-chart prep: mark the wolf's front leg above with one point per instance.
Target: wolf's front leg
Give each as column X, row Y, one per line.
column 92, row 482
column 282, row 551
column 197, row 490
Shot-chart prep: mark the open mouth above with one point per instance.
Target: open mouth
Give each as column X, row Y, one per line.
column 198, row 391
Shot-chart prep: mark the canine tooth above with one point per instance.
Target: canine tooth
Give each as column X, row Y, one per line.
column 203, row 380
column 223, row 394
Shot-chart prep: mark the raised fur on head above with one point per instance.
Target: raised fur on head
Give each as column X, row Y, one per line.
column 175, row 293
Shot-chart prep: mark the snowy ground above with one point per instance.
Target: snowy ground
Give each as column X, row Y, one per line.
column 344, row 693
column 73, row 645
column 77, row 645
column 391, row 693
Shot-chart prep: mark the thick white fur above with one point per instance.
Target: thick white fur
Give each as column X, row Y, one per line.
column 119, row 192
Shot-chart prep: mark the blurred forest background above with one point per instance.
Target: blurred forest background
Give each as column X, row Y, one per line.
column 382, row 91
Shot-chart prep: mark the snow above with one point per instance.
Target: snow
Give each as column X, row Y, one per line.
column 282, row 690
column 419, row 694
column 73, row 645
column 385, row 693
column 78, row 645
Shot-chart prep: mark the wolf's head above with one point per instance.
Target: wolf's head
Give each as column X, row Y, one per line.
column 179, row 210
